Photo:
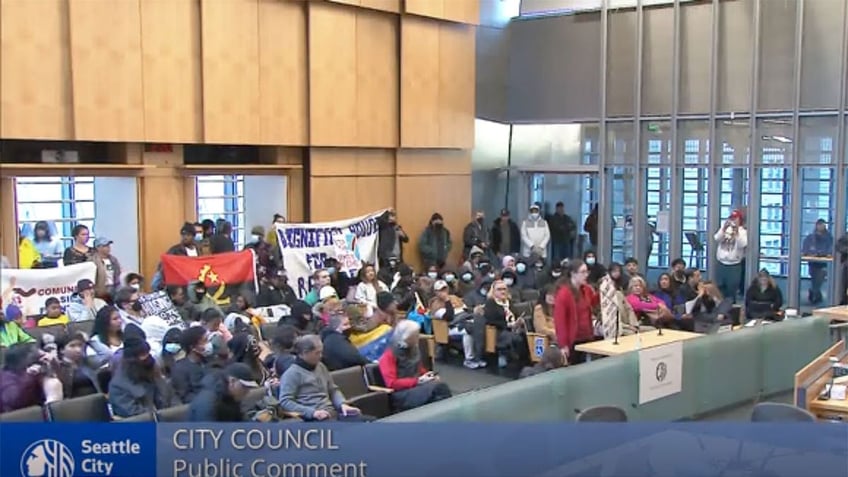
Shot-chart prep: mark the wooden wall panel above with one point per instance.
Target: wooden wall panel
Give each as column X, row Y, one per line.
column 283, row 93
column 382, row 5
column 170, row 45
column 159, row 221
column 8, row 220
column 352, row 162
column 419, row 92
column 230, row 36
column 457, row 82
column 35, row 70
column 461, row 11
column 431, row 162
column 336, row 198
column 106, row 70
column 353, row 77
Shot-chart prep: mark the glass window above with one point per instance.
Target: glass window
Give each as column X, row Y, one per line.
column 553, row 145
column 734, row 191
column 658, row 192
column 817, row 193
column 774, row 141
column 774, row 226
column 733, row 137
column 818, row 138
column 222, row 197
column 694, row 142
column 62, row 202
column 622, row 187
column 621, row 147
column 695, row 216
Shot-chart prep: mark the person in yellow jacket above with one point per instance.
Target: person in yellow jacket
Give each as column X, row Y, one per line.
column 28, row 255
column 271, row 237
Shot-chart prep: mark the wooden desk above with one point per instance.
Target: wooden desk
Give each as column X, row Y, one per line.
column 812, row 379
column 830, row 409
column 629, row 343
column 838, row 313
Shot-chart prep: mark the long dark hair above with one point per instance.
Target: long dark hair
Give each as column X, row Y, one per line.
column 102, row 323
column 41, row 225
column 568, row 272
column 546, row 308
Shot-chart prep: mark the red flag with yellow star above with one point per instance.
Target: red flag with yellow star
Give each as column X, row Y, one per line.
column 225, row 274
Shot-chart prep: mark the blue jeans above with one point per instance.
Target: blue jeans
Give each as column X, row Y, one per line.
column 729, row 279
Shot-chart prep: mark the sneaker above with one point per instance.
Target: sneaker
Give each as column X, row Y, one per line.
column 502, row 361
column 481, row 363
column 471, row 364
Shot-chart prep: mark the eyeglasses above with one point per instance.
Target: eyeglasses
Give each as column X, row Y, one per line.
column 500, row 289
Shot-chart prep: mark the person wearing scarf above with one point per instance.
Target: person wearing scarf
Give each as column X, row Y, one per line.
column 403, row 371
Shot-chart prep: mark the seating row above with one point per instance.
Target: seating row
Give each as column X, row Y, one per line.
column 718, row 371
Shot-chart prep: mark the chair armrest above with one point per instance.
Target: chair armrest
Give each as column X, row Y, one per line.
column 381, row 389
column 292, row 415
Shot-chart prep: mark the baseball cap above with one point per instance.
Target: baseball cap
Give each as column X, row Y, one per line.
column 84, row 284
column 326, row 292
column 504, row 211
column 536, row 206
column 440, row 285
column 102, row 241
column 242, row 373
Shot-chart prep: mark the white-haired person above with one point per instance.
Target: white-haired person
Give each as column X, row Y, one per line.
column 444, row 306
column 497, row 311
column 403, row 371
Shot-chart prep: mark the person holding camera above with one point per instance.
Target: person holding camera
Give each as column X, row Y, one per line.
column 28, row 377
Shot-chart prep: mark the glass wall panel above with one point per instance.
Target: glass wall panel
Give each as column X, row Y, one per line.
column 695, row 149
column 578, row 192
column 777, row 55
column 735, row 190
column 843, row 258
column 735, row 55
column 694, row 137
column 621, row 62
column 621, row 183
column 818, row 188
column 488, row 167
column 734, row 139
column 821, row 48
column 695, row 56
column 658, row 53
column 553, row 145
column 621, row 145
column 656, row 149
column 818, row 138
column 775, row 141
column 774, row 227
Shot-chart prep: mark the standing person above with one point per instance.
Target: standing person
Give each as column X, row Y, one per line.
column 732, row 240
column 506, row 238
column 475, row 234
column 79, row 252
column 842, row 250
column 535, row 234
column 563, row 233
column 574, row 307
column 108, row 277
column 590, row 226
column 222, row 241
column 391, row 238
column 435, row 243
column 817, row 244
column 49, row 248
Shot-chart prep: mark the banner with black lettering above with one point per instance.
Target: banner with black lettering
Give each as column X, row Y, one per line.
column 305, row 247
column 28, row 289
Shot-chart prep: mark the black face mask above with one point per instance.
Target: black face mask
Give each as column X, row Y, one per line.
column 437, row 225
column 480, row 220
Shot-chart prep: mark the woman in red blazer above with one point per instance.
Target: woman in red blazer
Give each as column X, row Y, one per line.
column 574, row 306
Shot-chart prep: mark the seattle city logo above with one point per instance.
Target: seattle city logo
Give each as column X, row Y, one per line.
column 47, row 458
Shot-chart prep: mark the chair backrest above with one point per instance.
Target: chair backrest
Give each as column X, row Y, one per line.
column 91, row 408
column 350, row 381
column 372, row 374
column 441, row 331
column 779, row 412
column 427, row 345
column 602, row 414
column 27, row 414
column 531, row 295
column 253, row 397
column 172, row 414
column 57, row 331
column 143, row 417
column 84, row 326
column 525, row 309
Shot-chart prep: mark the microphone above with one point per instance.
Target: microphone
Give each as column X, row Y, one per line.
column 659, row 327
column 834, row 365
column 617, row 324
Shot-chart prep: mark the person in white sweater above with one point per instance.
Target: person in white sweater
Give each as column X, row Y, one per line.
column 535, row 234
column 732, row 240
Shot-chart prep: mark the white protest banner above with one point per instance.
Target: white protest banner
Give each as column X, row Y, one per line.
column 159, row 304
column 29, row 288
column 660, row 371
column 305, row 247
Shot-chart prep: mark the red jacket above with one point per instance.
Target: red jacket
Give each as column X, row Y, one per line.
column 573, row 319
column 388, row 368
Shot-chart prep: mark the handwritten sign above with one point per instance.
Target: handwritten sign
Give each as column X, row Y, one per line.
column 159, row 304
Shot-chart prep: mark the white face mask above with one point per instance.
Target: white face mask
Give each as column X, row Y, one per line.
column 534, row 216
column 432, row 275
column 135, row 286
column 508, row 282
column 556, row 274
column 491, row 275
column 449, row 278
column 255, row 238
column 207, row 349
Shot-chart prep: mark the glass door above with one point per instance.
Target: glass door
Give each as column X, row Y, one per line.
column 622, row 189
column 578, row 193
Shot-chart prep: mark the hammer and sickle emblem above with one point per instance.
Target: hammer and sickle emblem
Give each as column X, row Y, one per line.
column 206, row 273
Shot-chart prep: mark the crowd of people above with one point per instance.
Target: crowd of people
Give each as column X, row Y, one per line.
column 216, row 355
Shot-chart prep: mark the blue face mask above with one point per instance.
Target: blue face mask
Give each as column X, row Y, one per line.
column 590, row 260
column 521, row 268
column 484, row 292
column 198, row 237
column 172, row 348
column 449, row 278
column 331, row 270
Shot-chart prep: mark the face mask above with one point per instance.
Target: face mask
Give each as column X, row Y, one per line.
column 521, row 268
column 432, row 275
column 556, row 274
column 534, row 216
column 207, row 349
column 508, row 282
column 479, row 220
column 540, row 266
column 255, row 238
column 172, row 348
column 136, row 306
column 590, row 261
column 482, row 265
column 449, row 278
column 438, row 225
column 466, row 277
column 198, row 237
column 392, row 263
column 200, row 293
column 492, row 275
column 331, row 270
column 135, row 286
column 484, row 292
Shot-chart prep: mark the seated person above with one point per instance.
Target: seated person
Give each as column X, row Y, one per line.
column 301, row 318
column 53, row 314
column 307, row 388
column 647, row 306
column 245, row 349
column 497, row 312
column 11, row 332
column 188, row 373
column 212, row 320
column 107, row 336
column 322, row 279
column 283, row 346
column 368, row 288
column 371, row 335
column 26, row 378
column 763, row 300
column 450, row 308
column 172, row 351
column 329, row 303
column 551, row 359
column 543, row 315
column 339, row 352
column 77, row 378
column 403, row 371
column 221, row 396
column 710, row 309
column 137, row 386
column 84, row 305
